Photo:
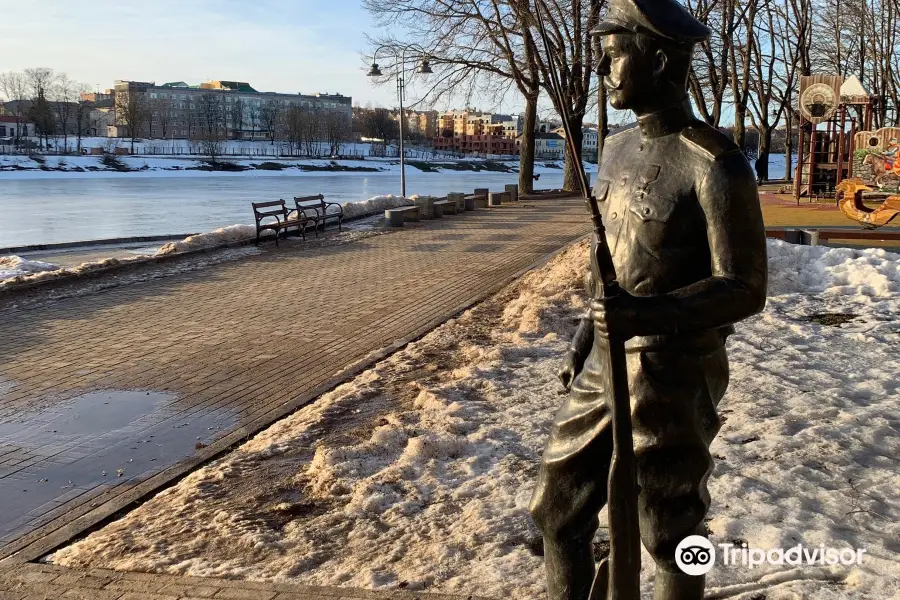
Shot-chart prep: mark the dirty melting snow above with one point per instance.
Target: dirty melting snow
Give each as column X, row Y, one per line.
column 418, row 473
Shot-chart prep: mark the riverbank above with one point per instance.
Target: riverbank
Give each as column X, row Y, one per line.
column 17, row 166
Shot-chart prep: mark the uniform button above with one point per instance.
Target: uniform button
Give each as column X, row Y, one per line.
column 624, row 180
column 641, row 148
column 615, row 216
column 646, row 210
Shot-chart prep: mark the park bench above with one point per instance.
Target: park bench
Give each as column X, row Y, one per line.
column 270, row 218
column 395, row 217
column 316, row 209
column 440, row 206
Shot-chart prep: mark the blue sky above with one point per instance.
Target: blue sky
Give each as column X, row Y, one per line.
column 276, row 45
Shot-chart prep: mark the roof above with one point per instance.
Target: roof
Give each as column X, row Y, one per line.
column 853, row 87
column 175, row 84
column 12, row 119
column 239, row 86
column 547, row 136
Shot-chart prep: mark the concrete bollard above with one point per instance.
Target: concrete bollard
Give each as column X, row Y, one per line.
column 438, row 211
column 469, row 203
column 394, row 218
column 513, row 190
column 496, row 198
column 483, row 192
column 460, row 200
column 426, row 206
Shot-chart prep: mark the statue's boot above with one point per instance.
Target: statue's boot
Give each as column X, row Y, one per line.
column 677, row 586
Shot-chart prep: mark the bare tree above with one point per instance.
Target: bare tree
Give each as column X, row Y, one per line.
column 14, row 87
column 477, row 44
column 378, row 124
column 40, row 81
column 269, row 115
column 65, row 96
column 211, row 121
column 569, row 59
column 741, row 67
column 253, row 117
column 336, row 129
column 237, row 117
column 161, row 107
column 131, row 107
column 292, row 126
column 82, row 115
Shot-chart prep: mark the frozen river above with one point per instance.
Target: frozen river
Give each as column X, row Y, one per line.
column 73, row 207
column 48, row 208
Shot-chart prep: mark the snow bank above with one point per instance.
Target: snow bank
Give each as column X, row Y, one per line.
column 15, row 266
column 49, row 271
column 243, row 233
column 373, row 205
column 211, row 239
column 418, row 473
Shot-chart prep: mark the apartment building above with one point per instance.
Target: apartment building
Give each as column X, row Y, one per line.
column 172, row 109
column 98, row 97
column 424, row 123
column 472, row 122
column 480, row 143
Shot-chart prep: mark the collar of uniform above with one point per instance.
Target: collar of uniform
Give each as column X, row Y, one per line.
column 666, row 121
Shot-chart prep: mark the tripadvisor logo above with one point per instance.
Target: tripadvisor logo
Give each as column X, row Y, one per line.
column 696, row 555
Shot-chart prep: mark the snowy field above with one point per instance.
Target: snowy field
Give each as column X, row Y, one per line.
column 418, row 473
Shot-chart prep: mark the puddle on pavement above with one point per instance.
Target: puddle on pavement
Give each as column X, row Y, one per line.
column 92, row 442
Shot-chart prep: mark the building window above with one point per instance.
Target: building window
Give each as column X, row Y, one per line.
column 153, row 95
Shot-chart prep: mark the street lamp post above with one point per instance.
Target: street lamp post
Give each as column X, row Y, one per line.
column 424, row 68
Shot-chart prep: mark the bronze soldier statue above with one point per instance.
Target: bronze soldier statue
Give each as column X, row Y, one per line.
column 684, row 225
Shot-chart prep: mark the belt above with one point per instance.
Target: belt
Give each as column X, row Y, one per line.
column 694, row 343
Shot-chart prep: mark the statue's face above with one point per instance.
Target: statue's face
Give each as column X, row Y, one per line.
column 627, row 71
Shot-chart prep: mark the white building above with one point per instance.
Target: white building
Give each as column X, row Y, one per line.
column 589, row 139
column 549, row 146
column 9, row 128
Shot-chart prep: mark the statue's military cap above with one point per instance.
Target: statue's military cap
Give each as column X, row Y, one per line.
column 666, row 19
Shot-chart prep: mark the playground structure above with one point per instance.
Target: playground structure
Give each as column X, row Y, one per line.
column 826, row 155
column 850, row 199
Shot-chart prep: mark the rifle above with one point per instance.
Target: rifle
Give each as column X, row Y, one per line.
column 619, row 575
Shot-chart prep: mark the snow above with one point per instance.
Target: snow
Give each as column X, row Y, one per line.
column 14, row 266
column 14, row 269
column 223, row 235
column 418, row 473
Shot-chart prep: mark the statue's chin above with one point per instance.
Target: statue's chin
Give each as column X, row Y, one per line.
column 617, row 101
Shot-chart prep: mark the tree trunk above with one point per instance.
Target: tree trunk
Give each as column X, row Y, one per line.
column 526, row 150
column 602, row 123
column 571, row 179
column 788, row 144
column 739, row 131
column 762, row 154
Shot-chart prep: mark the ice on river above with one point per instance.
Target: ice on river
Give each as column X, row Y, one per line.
column 418, row 473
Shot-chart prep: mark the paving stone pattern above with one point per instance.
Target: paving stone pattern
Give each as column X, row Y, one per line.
column 32, row 581
column 107, row 397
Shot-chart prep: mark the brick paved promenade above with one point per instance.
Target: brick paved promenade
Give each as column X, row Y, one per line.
column 107, row 397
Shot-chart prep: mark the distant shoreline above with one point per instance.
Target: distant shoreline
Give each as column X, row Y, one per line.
column 25, row 167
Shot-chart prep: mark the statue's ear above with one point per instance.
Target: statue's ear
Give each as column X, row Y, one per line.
column 660, row 60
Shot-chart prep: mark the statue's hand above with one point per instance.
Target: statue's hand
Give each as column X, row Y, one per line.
column 617, row 316
column 568, row 370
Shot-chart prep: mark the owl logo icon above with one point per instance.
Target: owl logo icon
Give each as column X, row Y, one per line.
column 695, row 555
